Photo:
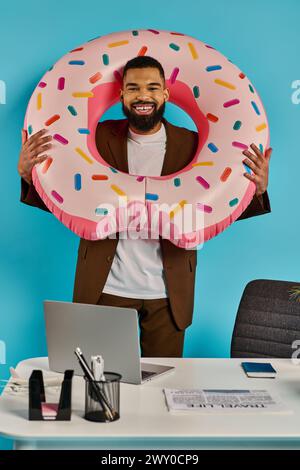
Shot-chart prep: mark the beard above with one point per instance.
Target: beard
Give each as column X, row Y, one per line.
column 144, row 123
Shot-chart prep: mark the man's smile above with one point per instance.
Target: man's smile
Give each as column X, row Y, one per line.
column 143, row 109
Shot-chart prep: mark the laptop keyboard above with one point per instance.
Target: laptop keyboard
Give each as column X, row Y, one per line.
column 146, row 374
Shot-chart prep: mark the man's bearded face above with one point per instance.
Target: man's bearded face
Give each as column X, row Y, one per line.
column 143, row 98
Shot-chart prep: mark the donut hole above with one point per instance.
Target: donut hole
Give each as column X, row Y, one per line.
column 173, row 113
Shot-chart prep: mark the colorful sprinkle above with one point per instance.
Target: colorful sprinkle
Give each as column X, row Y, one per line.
column 212, row 117
column 193, row 50
column 39, row 101
column 142, row 51
column 177, row 208
column 204, row 207
column 30, row 130
column 151, row 197
column 117, row 190
column 154, row 31
column 233, row 202
column 105, row 59
column 178, row 34
column 135, row 33
column 118, row 43
column 239, row 145
column 53, row 119
column 83, row 155
column 46, row 165
column 225, row 84
column 90, row 40
column 140, row 178
column 242, row 75
column 261, row 127
column 57, row 196
column 83, row 131
column 77, row 182
column 261, row 148
column 99, row 177
column 101, row 211
column 225, row 175
column 174, row 46
column 251, row 88
column 211, row 68
column 248, row 170
column 61, row 83
column 77, row 49
column 255, row 107
column 95, row 78
column 76, row 62
column 174, row 75
column 83, row 94
column 113, row 169
column 196, row 91
column 42, row 84
column 227, row 104
column 177, row 182
column 60, row 139
column 118, row 77
column 203, row 182
column 237, row 125
column 72, row 110
column 213, row 147
column 203, row 164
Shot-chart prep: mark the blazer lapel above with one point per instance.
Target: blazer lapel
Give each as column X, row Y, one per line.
column 117, row 144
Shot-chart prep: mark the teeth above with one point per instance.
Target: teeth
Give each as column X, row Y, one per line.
column 144, row 107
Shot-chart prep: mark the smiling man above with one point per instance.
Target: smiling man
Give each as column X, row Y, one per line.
column 153, row 276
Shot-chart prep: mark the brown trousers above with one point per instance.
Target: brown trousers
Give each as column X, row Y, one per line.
column 159, row 335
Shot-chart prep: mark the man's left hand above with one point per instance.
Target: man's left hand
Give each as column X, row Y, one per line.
column 259, row 164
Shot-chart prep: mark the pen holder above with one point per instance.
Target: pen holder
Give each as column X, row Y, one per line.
column 102, row 398
column 39, row 409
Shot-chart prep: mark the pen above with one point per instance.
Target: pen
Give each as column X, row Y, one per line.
column 89, row 375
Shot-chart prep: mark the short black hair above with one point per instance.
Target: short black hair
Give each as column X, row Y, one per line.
column 144, row 61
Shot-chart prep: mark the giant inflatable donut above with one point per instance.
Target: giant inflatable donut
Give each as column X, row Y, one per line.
column 84, row 192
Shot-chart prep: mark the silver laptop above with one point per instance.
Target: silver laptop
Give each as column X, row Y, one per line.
column 111, row 332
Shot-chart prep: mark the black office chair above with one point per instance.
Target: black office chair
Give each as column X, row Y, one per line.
column 268, row 320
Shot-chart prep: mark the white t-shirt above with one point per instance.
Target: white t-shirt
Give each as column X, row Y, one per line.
column 137, row 269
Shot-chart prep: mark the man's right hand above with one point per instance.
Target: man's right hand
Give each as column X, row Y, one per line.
column 33, row 152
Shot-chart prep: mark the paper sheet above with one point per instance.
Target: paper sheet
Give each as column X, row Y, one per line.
column 228, row 401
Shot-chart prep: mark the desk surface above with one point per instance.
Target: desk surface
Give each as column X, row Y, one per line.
column 145, row 421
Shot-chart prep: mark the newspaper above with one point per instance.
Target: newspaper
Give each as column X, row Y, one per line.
column 228, row 401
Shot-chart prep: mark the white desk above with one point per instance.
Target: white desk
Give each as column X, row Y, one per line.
column 145, row 422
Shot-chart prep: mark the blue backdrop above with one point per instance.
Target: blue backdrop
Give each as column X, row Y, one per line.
column 38, row 254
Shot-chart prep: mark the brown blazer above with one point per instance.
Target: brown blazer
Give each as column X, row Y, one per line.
column 95, row 257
